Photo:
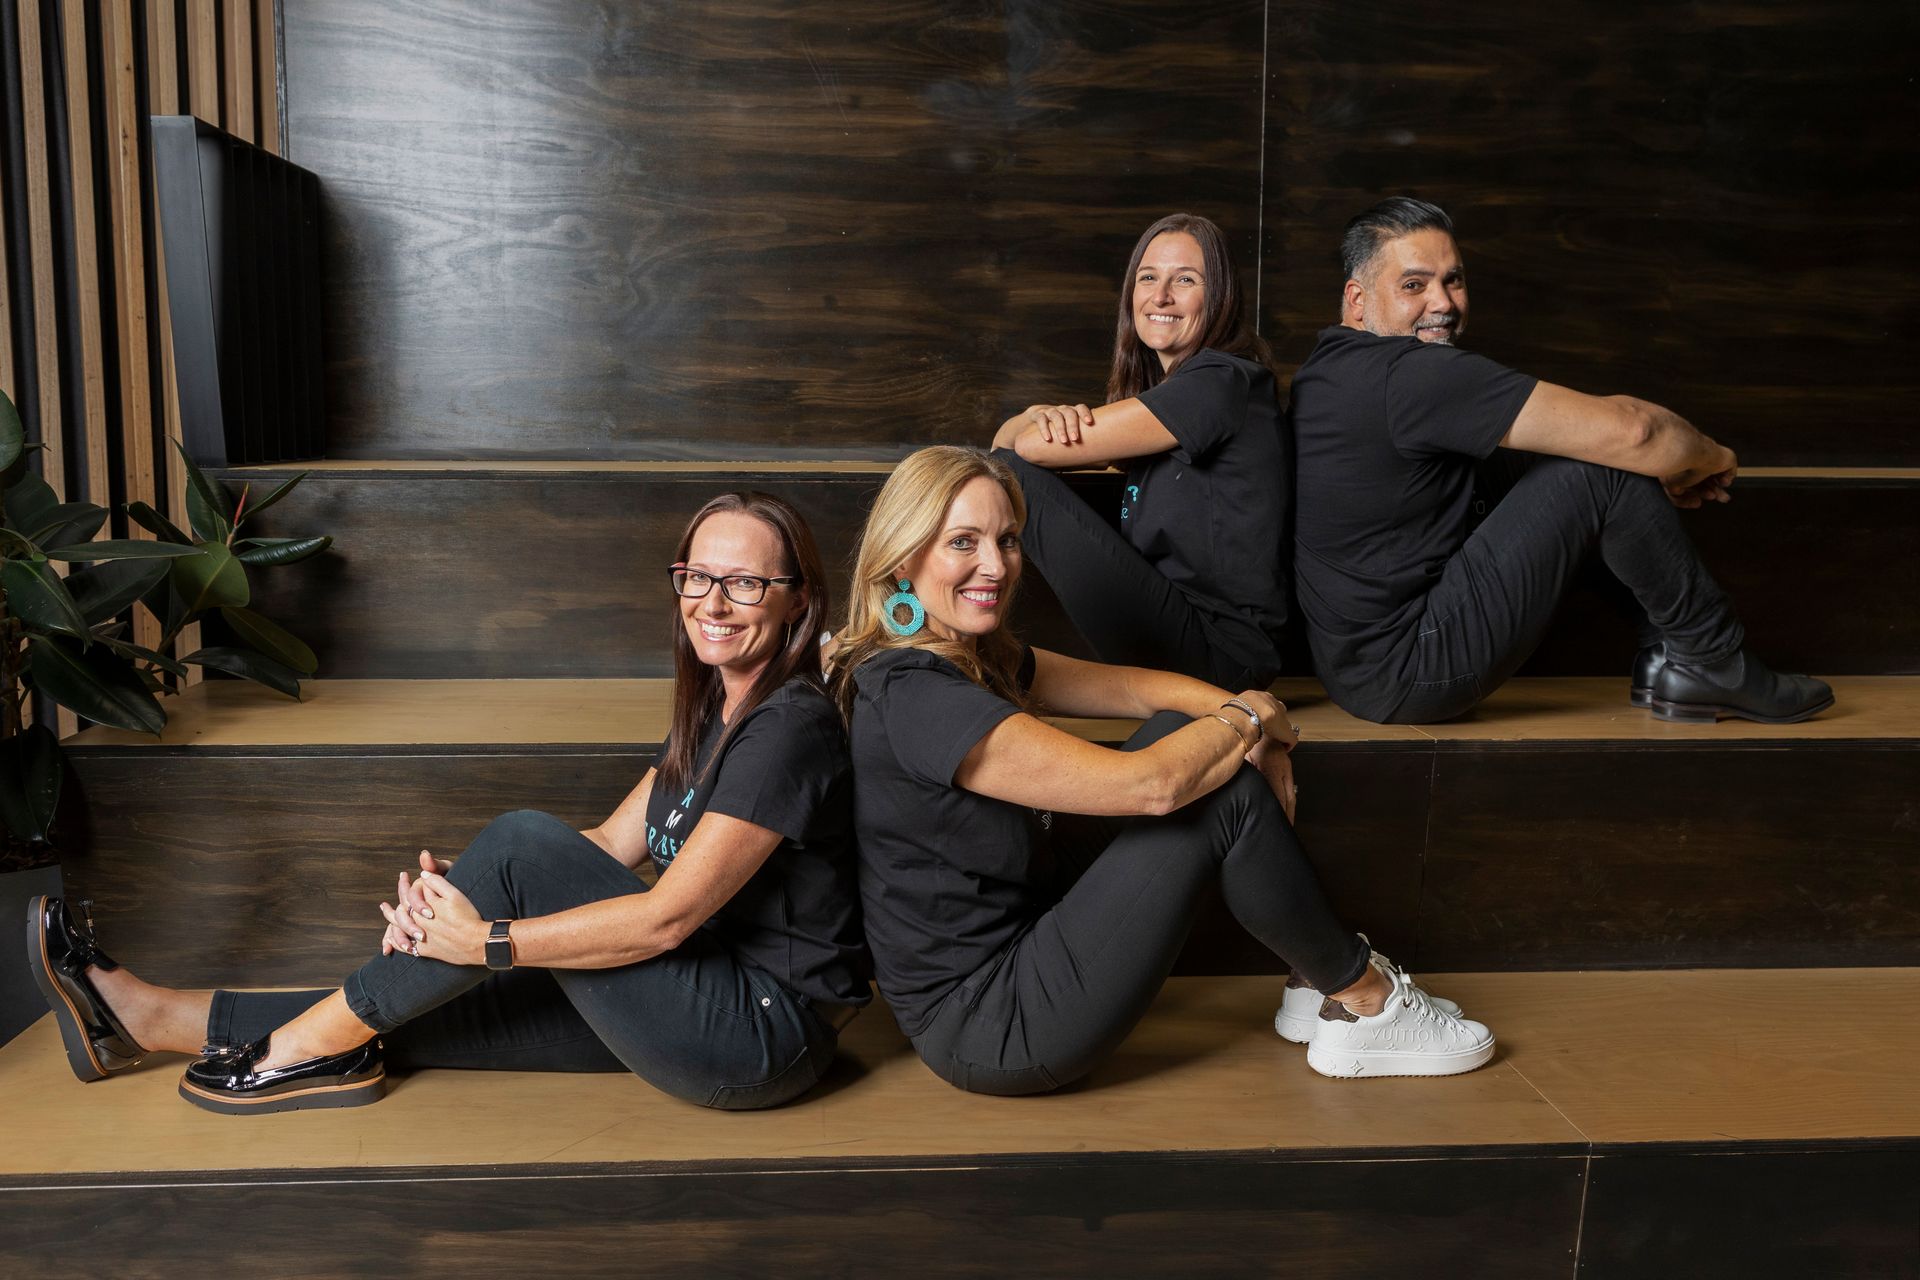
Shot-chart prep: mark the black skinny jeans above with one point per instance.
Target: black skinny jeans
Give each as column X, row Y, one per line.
column 1123, row 607
column 1061, row 997
column 695, row 1022
column 1495, row 598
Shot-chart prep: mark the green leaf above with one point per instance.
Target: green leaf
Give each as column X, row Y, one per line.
column 272, row 639
column 279, row 492
column 209, row 580
column 164, row 603
column 278, row 551
column 30, row 503
column 13, row 433
column 37, row 596
column 252, row 666
column 69, row 523
column 107, row 589
column 133, row 651
column 155, row 523
column 30, row 774
column 98, row 684
column 121, row 549
column 208, row 510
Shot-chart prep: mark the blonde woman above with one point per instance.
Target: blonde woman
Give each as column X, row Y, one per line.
column 1026, row 892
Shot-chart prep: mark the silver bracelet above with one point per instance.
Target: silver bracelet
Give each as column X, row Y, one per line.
column 1234, row 728
column 1251, row 714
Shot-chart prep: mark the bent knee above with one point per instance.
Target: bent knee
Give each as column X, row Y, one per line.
column 511, row 833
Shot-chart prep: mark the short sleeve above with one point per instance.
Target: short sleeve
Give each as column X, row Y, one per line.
column 1441, row 399
column 934, row 716
column 778, row 768
column 1202, row 404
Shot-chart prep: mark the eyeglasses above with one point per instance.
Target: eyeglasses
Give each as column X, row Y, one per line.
column 741, row 588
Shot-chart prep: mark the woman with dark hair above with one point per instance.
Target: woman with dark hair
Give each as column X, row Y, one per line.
column 1196, row 579
column 725, row 984
column 1025, row 892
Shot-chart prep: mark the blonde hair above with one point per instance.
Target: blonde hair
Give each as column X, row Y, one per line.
column 906, row 517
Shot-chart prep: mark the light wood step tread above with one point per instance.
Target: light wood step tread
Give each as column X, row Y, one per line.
column 822, row 466
column 224, row 713
column 1585, row 1058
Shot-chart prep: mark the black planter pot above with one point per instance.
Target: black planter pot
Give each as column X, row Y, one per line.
column 21, row 1004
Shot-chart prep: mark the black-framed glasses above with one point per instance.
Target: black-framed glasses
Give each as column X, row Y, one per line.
column 741, row 588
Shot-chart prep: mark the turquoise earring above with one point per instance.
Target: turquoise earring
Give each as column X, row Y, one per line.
column 904, row 597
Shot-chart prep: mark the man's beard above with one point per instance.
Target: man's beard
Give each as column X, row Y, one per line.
column 1445, row 326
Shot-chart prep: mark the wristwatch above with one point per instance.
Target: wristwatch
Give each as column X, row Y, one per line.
column 500, row 946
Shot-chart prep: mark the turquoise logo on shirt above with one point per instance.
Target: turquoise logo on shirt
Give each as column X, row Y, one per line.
column 1133, row 496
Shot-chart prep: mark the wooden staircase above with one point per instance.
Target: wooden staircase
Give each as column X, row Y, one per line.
column 1697, row 945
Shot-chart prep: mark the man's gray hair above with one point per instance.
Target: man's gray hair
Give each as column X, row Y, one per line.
column 1392, row 218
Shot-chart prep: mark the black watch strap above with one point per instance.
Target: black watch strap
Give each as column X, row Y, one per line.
column 500, row 946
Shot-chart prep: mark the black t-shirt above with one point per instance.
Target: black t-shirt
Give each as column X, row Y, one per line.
column 1211, row 514
column 948, row 878
column 1386, row 435
column 784, row 767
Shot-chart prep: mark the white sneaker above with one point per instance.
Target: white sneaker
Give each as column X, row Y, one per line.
column 1411, row 1036
column 1300, row 1006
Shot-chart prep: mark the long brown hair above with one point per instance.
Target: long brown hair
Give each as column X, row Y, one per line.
column 907, row 516
column 697, row 691
column 1223, row 326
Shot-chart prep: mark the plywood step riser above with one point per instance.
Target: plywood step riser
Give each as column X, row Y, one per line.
column 1452, row 856
column 544, row 574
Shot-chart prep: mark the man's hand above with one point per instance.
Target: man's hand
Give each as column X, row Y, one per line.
column 1707, row 482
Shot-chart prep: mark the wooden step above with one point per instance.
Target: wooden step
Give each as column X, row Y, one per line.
column 1679, row 1123
column 1556, row 828
column 558, row 568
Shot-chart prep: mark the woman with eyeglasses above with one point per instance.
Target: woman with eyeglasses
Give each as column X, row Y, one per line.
column 725, row 984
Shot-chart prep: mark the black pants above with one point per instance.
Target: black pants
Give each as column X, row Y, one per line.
column 695, row 1022
column 1124, row 608
column 1495, row 598
column 1059, row 999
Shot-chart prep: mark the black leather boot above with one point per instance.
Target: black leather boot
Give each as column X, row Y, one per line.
column 1741, row 686
column 232, row 1083
column 1646, row 665
column 59, row 952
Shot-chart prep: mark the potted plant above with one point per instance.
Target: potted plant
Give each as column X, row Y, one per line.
column 68, row 638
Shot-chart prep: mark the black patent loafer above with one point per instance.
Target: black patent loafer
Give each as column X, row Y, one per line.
column 232, row 1084
column 1741, row 686
column 59, row 952
column 1646, row 665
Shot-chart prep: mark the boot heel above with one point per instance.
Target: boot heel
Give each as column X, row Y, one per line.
column 1684, row 712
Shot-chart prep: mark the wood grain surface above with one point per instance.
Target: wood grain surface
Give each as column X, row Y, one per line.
column 622, row 230
column 1698, row 205
column 549, row 570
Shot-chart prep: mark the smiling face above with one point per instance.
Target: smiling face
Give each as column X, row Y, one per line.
column 1169, row 296
column 738, row 639
column 966, row 575
column 1418, row 289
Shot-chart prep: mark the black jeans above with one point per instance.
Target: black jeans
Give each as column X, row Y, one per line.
column 1123, row 607
column 1059, row 999
column 1495, row 598
column 695, row 1022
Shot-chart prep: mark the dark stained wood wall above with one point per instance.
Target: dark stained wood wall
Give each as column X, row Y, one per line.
column 745, row 227
column 1710, row 205
column 717, row 228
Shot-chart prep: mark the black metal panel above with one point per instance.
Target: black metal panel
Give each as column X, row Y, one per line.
column 242, row 268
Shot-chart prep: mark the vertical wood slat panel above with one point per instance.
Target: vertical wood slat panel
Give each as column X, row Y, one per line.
column 33, row 119
column 93, row 442
column 236, row 22
column 203, row 60
column 266, row 76
column 164, row 99
column 125, row 119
